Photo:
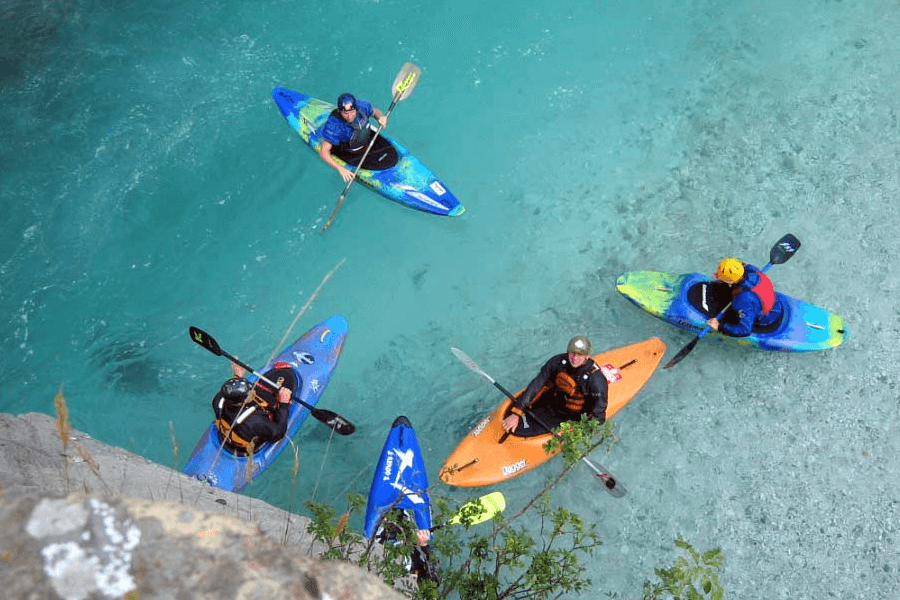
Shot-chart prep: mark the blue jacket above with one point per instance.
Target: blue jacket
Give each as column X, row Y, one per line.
column 337, row 131
column 746, row 307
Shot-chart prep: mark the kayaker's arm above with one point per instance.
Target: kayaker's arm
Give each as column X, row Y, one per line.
column 276, row 428
column 325, row 155
column 746, row 306
column 380, row 117
column 527, row 397
column 597, row 395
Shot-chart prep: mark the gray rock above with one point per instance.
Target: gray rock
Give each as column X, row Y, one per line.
column 87, row 521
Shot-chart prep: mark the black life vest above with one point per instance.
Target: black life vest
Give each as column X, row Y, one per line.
column 261, row 398
column 362, row 133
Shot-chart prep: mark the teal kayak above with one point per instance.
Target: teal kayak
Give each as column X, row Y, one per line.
column 687, row 301
column 401, row 177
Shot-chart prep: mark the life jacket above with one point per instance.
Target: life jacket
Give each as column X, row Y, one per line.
column 261, row 397
column 572, row 389
column 764, row 290
column 361, row 132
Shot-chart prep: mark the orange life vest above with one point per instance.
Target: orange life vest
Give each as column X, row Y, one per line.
column 572, row 390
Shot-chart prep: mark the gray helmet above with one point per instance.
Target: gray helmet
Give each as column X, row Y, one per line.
column 236, row 388
column 580, row 345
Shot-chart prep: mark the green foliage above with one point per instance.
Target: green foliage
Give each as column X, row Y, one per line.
column 344, row 543
column 341, row 542
column 503, row 558
column 692, row 578
column 509, row 562
column 577, row 438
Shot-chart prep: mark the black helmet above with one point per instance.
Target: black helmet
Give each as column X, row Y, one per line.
column 346, row 102
column 236, row 388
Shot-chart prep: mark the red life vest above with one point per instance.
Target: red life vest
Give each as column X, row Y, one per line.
column 764, row 290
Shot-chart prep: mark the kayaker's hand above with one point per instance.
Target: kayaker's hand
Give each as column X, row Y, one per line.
column 237, row 370
column 284, row 395
column 511, row 422
column 714, row 323
column 346, row 174
column 423, row 536
column 383, row 121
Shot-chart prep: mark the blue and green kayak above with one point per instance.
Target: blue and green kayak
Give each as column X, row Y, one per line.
column 689, row 300
column 395, row 174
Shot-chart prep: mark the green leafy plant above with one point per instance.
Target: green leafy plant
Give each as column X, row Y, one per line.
column 515, row 561
column 340, row 541
column 537, row 558
column 693, row 578
column 577, row 438
column 345, row 543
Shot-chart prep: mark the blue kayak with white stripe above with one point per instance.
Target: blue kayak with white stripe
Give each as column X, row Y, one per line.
column 313, row 358
column 400, row 480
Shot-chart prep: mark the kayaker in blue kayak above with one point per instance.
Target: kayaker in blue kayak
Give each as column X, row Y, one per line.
column 249, row 414
column 754, row 304
column 576, row 385
column 347, row 130
column 423, row 562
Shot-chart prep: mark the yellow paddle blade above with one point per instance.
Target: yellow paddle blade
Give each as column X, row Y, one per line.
column 481, row 509
column 406, row 80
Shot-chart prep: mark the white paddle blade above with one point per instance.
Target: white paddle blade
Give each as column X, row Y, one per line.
column 406, row 80
column 464, row 359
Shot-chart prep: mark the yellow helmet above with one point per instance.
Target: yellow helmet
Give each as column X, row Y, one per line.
column 730, row 270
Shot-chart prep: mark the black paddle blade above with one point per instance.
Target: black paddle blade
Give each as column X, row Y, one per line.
column 338, row 423
column 682, row 353
column 783, row 249
column 204, row 339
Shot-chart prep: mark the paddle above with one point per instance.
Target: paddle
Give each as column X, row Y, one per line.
column 609, row 482
column 403, row 86
column 333, row 420
column 781, row 252
column 479, row 510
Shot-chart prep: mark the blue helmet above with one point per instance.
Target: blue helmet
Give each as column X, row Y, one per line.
column 346, row 102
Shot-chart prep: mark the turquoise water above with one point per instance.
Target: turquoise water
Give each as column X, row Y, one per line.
column 148, row 183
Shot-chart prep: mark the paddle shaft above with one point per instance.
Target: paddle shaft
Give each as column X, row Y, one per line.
column 608, row 480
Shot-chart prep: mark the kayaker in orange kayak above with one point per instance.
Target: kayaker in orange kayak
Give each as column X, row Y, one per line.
column 567, row 386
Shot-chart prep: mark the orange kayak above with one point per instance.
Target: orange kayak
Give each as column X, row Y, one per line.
column 481, row 459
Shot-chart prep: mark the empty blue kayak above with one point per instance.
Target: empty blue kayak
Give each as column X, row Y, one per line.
column 400, row 480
